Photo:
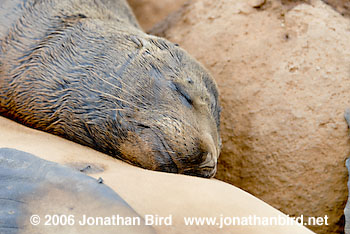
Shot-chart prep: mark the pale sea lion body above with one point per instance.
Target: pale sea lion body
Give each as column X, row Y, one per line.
column 84, row 70
column 150, row 192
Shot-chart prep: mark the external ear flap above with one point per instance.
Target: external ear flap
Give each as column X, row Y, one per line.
column 189, row 80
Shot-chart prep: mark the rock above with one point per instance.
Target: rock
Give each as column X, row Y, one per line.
column 150, row 12
column 256, row 3
column 283, row 73
column 342, row 6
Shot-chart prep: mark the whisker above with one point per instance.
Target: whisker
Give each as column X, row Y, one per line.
column 109, row 95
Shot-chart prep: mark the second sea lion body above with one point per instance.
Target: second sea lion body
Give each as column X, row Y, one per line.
column 84, row 70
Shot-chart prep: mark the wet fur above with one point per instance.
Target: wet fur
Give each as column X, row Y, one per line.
column 84, row 70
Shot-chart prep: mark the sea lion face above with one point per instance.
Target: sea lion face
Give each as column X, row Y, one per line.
column 173, row 124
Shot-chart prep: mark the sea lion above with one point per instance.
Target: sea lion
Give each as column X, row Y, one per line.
column 149, row 192
column 84, row 70
column 39, row 196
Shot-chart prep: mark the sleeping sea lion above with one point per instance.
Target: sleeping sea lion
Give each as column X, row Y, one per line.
column 84, row 70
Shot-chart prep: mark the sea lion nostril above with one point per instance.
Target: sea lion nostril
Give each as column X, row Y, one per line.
column 209, row 161
column 208, row 145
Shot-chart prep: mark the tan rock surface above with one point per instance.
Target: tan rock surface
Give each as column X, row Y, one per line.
column 150, row 12
column 284, row 76
column 150, row 192
column 342, row 6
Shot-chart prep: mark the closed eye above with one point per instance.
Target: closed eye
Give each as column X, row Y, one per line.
column 184, row 96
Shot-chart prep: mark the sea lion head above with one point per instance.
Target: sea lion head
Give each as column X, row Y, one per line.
column 136, row 97
column 173, row 122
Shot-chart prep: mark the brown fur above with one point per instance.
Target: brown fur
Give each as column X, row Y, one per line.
column 84, row 70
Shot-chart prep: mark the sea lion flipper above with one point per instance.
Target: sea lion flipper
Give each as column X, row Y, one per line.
column 33, row 186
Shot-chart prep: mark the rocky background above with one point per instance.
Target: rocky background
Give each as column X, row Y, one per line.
column 151, row 12
column 342, row 6
column 283, row 71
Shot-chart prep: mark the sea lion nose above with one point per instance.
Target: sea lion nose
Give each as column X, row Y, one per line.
column 209, row 147
column 207, row 166
column 209, row 161
column 209, row 151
